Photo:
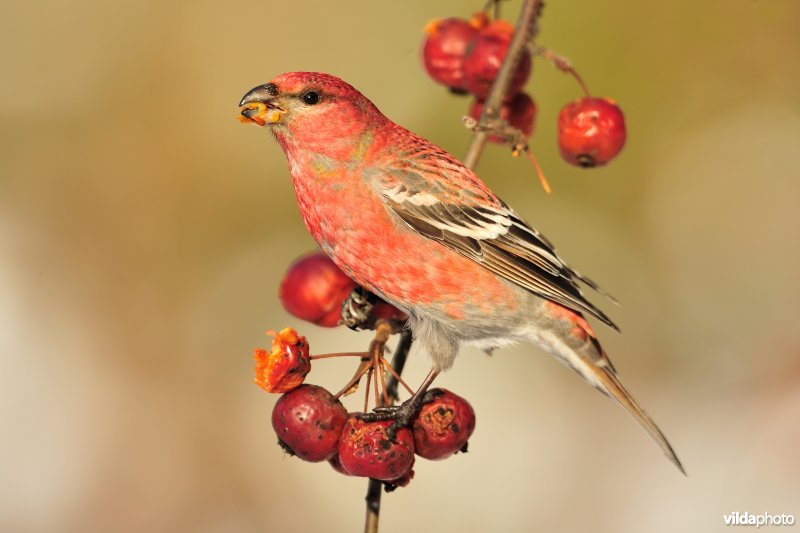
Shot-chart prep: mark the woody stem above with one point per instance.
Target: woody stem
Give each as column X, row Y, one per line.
column 525, row 30
column 373, row 497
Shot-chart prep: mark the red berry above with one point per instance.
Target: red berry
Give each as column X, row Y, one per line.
column 443, row 425
column 287, row 363
column 591, row 131
column 314, row 289
column 309, row 422
column 387, row 311
column 444, row 47
column 365, row 450
column 402, row 481
column 519, row 112
column 485, row 55
column 337, row 465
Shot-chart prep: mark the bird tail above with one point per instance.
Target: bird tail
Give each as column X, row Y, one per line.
column 610, row 385
column 590, row 361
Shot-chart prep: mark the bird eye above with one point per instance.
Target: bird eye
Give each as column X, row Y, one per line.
column 311, row 97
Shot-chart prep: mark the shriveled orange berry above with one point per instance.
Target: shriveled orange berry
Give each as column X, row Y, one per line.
column 287, row 363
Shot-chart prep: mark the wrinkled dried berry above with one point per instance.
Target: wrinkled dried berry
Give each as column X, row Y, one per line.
column 309, row 421
column 365, row 450
column 443, row 425
column 286, row 365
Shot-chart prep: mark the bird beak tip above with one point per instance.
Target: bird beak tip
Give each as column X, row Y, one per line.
column 259, row 106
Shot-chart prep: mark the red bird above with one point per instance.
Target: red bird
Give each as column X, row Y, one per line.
column 412, row 224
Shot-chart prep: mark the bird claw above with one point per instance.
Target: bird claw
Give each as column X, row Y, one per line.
column 381, row 414
column 401, row 415
column 430, row 396
column 357, row 309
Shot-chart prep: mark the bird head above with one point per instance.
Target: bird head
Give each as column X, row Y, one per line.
column 308, row 101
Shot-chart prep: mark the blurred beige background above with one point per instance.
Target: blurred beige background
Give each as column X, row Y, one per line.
column 143, row 233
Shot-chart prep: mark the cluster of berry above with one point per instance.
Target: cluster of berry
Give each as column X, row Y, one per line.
column 311, row 422
column 466, row 56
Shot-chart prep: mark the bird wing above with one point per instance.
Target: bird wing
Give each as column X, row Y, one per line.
column 437, row 196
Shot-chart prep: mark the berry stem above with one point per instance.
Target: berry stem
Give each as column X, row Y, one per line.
column 362, row 369
column 366, row 391
column 382, row 373
column 561, row 63
column 494, row 7
column 525, row 30
column 376, row 370
column 338, row 354
column 397, row 378
column 542, row 179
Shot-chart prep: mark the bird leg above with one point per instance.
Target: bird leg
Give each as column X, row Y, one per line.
column 402, row 414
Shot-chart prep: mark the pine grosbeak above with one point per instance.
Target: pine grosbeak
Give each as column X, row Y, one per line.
column 412, row 224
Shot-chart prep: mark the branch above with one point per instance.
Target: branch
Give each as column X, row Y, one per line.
column 373, row 497
column 525, row 31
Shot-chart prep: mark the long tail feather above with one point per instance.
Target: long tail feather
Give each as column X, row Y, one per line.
column 613, row 387
column 590, row 361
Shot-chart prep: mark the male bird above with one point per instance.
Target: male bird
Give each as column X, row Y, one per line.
column 411, row 223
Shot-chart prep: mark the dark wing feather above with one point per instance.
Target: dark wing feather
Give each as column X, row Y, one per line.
column 466, row 217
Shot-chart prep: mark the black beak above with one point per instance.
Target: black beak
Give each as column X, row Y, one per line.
column 263, row 93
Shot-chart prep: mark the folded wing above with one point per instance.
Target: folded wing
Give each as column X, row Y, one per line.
column 459, row 211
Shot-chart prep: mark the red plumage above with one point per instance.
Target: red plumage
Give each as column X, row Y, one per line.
column 411, row 223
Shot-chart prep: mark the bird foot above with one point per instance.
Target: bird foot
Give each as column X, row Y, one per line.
column 402, row 415
column 357, row 309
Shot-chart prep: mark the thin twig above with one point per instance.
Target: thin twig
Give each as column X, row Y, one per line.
column 373, row 497
column 562, row 64
column 337, row 354
column 523, row 34
column 382, row 373
column 373, row 506
column 366, row 389
column 362, row 369
column 374, row 371
column 396, row 377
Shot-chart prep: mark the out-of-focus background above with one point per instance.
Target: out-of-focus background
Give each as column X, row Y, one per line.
column 143, row 234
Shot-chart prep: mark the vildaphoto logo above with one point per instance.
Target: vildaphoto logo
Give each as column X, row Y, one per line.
column 764, row 519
